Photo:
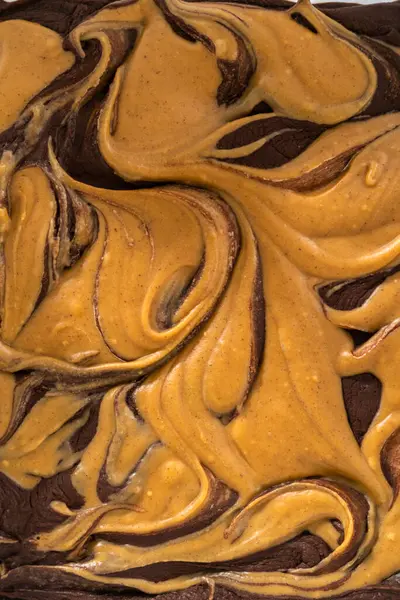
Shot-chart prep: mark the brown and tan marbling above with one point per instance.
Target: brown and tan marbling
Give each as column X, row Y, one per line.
column 199, row 268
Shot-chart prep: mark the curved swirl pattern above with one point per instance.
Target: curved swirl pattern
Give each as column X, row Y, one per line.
column 199, row 285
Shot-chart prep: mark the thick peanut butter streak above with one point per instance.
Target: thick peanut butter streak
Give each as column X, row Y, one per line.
column 199, row 299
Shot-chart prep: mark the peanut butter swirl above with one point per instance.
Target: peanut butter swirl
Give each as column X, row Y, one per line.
column 199, row 299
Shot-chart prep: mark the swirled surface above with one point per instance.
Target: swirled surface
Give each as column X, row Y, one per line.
column 199, row 299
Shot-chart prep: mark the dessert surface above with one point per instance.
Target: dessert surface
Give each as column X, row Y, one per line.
column 200, row 300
